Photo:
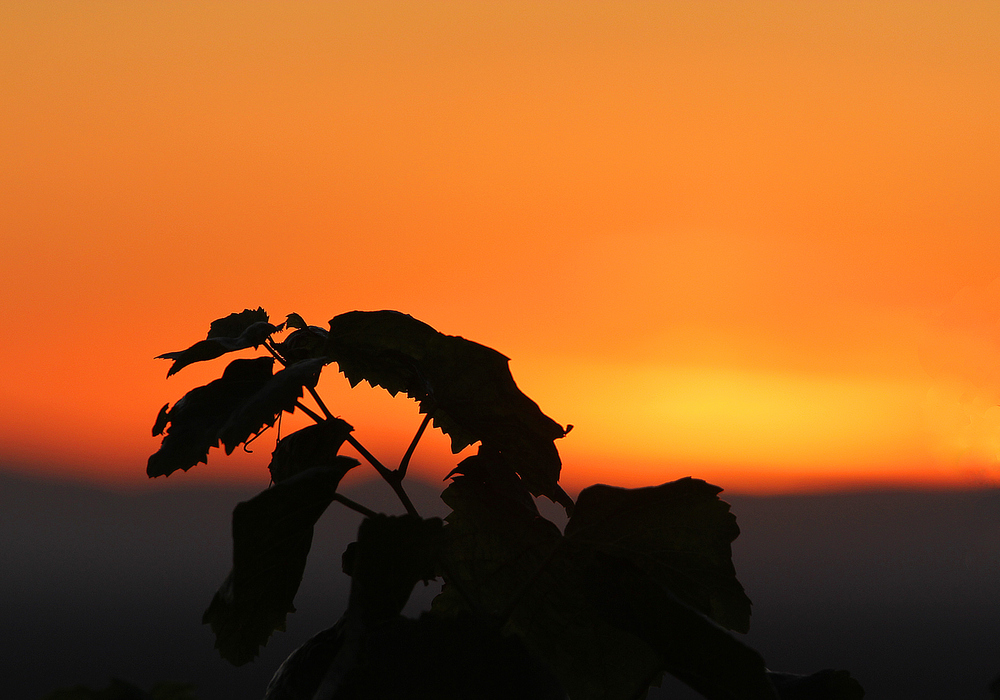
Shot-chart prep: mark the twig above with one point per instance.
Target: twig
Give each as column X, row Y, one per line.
column 277, row 355
column 391, row 477
column 405, row 462
column 319, row 402
column 308, row 411
column 354, row 505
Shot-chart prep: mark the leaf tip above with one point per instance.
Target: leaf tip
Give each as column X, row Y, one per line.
column 162, row 418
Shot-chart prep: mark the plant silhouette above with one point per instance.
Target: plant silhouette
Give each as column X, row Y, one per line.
column 639, row 583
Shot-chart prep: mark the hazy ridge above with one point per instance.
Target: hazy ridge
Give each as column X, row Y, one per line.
column 899, row 587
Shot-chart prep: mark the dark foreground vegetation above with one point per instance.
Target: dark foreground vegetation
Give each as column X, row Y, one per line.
column 638, row 583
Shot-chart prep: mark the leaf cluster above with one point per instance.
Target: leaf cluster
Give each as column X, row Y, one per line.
column 639, row 583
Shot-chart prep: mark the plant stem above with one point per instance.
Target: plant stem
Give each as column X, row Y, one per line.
column 277, row 356
column 403, row 498
column 372, row 460
column 354, row 505
column 308, row 411
column 405, row 462
column 391, row 477
column 319, row 402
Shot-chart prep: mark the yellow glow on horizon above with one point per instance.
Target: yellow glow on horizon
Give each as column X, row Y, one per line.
column 718, row 415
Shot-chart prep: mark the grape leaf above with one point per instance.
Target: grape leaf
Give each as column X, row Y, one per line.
column 238, row 331
column 305, row 343
column 234, row 324
column 193, row 424
column 373, row 652
column 272, row 535
column 465, row 386
column 391, row 555
column 501, row 558
column 679, row 533
column 280, row 393
column 690, row 646
column 605, row 625
column 293, row 320
column 495, row 536
column 312, row 446
column 301, row 674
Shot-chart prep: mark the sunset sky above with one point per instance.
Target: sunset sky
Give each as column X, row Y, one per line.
column 757, row 243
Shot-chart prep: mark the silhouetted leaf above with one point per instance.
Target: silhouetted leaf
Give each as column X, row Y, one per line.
column 280, row 393
column 495, row 539
column 690, row 646
column 391, row 555
column 300, row 675
column 194, row 422
column 679, row 533
column 828, row 684
column 374, row 653
column 293, row 320
column 305, row 343
column 502, row 558
column 467, row 387
column 233, row 325
column 247, row 329
column 577, row 601
column 312, row 446
column 272, row 535
column 162, row 418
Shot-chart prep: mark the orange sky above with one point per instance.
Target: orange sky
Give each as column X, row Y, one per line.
column 753, row 242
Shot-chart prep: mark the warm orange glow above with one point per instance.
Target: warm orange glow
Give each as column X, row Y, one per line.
column 757, row 242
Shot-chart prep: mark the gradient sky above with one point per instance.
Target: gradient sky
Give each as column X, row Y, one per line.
column 753, row 242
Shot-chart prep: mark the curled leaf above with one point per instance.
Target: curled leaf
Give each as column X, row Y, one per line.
column 312, row 446
column 293, row 320
column 303, row 344
column 192, row 425
column 279, row 393
column 272, row 535
column 162, row 418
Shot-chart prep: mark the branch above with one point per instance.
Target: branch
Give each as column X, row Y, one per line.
column 405, row 462
column 379, row 467
column 308, row 411
column 275, row 353
column 392, row 478
column 319, row 402
column 403, row 498
column 354, row 505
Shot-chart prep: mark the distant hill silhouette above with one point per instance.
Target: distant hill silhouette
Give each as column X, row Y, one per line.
column 899, row 587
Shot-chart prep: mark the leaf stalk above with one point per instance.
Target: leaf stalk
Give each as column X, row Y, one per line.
column 405, row 462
